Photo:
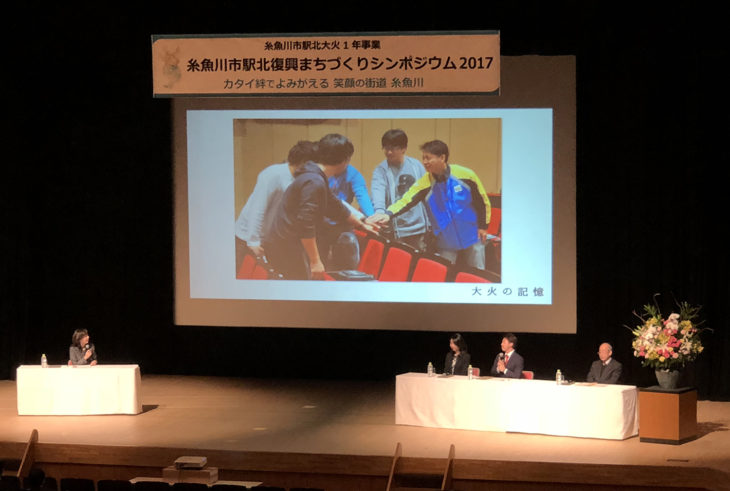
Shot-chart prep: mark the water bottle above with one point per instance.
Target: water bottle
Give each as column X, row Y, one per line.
column 558, row 377
column 429, row 370
column 471, row 372
column 44, row 361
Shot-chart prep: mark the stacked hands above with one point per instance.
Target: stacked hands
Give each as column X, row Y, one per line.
column 382, row 219
column 373, row 225
column 378, row 219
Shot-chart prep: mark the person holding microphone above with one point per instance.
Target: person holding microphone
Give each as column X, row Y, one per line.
column 81, row 351
column 508, row 363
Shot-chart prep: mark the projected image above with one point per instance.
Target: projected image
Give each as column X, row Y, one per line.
column 471, row 204
column 381, row 199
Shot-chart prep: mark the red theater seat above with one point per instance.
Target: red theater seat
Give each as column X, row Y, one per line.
column 495, row 222
column 247, row 267
column 430, row 269
column 464, row 277
column 372, row 257
column 259, row 273
column 397, row 265
column 493, row 251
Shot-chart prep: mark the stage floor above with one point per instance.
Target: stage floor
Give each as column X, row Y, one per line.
column 335, row 417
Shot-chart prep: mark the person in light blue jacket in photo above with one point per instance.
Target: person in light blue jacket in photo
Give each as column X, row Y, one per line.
column 391, row 179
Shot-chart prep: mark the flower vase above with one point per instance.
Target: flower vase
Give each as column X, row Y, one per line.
column 667, row 378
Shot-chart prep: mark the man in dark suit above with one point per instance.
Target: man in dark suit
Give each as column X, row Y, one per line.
column 606, row 370
column 508, row 363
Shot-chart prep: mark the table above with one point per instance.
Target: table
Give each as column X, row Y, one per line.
column 517, row 405
column 668, row 415
column 78, row 390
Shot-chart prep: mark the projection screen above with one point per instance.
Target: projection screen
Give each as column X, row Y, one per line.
column 520, row 144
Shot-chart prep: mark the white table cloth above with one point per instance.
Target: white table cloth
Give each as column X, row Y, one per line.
column 80, row 390
column 517, row 405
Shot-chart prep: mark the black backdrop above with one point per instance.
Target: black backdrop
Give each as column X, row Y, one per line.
column 86, row 224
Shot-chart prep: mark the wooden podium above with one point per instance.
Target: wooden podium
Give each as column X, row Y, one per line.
column 667, row 415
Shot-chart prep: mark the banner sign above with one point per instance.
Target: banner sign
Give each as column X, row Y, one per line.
column 326, row 64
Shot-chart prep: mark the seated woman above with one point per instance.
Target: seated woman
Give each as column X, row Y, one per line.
column 81, row 352
column 458, row 359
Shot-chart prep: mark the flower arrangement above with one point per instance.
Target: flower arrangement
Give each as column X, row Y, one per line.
column 665, row 344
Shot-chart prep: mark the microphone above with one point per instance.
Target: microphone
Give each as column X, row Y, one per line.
column 89, row 347
column 501, row 357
